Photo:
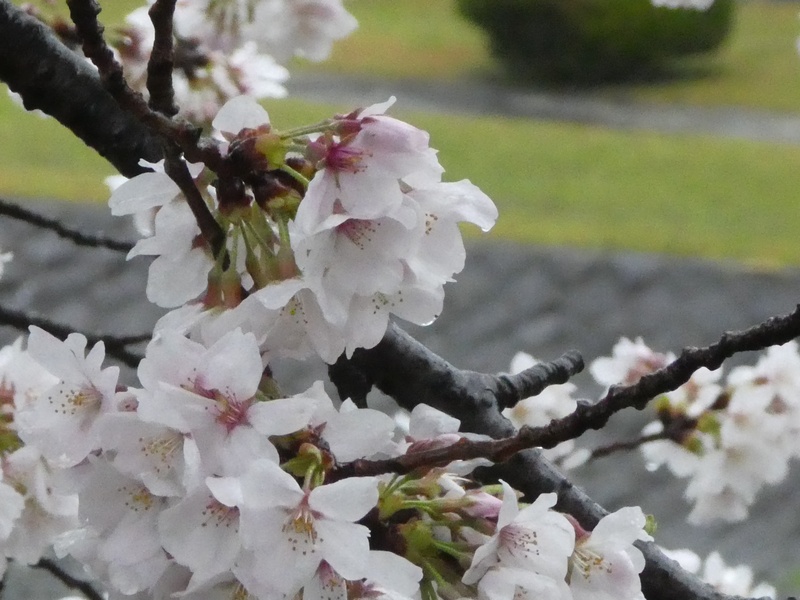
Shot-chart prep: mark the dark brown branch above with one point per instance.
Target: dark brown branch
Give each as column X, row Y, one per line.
column 532, row 381
column 84, row 587
column 79, row 238
column 406, row 370
column 116, row 346
column 160, row 65
column 773, row 331
column 604, row 451
column 776, row 330
column 211, row 231
column 186, row 136
column 50, row 77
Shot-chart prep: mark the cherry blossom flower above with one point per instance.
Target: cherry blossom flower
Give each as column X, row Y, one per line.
column 282, row 28
column 628, row 363
column 122, row 515
column 62, row 421
column 47, row 512
column 734, row 581
column 605, row 564
column 292, row 530
column 535, row 540
column 210, row 393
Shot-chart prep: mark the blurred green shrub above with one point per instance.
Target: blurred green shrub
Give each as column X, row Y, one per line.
column 591, row 41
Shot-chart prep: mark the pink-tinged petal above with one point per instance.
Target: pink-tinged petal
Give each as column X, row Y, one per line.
column 266, row 485
column 325, row 585
column 170, row 283
column 175, row 407
column 345, row 546
column 378, row 108
column 359, row 433
column 232, row 366
column 59, row 358
column 394, row 572
column 428, row 422
column 345, row 500
column 11, row 505
column 171, row 358
column 282, row 416
column 620, row 529
column 228, row 490
column 484, row 558
column 144, row 191
column 240, row 113
column 277, row 295
column 287, row 563
column 510, row 508
column 201, row 533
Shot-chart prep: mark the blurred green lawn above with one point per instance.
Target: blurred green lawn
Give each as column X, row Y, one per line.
column 554, row 183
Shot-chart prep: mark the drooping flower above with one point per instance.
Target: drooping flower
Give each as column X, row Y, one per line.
column 605, row 564
column 535, row 540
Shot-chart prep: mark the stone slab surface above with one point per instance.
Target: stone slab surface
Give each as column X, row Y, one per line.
column 509, row 298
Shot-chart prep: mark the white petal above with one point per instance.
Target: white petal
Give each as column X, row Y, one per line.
column 240, row 113
column 345, row 500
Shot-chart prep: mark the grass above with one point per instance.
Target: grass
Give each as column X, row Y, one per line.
column 554, row 183
column 758, row 68
column 589, row 186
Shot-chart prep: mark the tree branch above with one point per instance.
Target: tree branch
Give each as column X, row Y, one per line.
column 160, row 65
column 183, row 134
column 50, row 77
column 406, row 370
column 116, row 346
column 79, row 238
column 84, row 587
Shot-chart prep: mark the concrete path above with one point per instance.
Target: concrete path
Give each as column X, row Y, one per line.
column 484, row 98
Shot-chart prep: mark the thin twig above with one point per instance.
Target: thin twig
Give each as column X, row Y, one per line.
column 84, row 587
column 187, row 136
column 79, row 238
column 162, row 58
column 627, row 445
column 776, row 330
column 116, row 346
column 176, row 168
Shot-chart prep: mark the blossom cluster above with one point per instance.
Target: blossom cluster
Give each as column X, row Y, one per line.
column 728, row 438
column 227, row 49
column 733, row 581
column 327, row 239
column 206, row 482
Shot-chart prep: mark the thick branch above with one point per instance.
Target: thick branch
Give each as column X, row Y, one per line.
column 79, row 238
column 186, row 136
column 50, row 77
column 404, row 369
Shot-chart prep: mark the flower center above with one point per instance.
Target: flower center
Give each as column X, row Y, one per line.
column 341, row 158
column 216, row 514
